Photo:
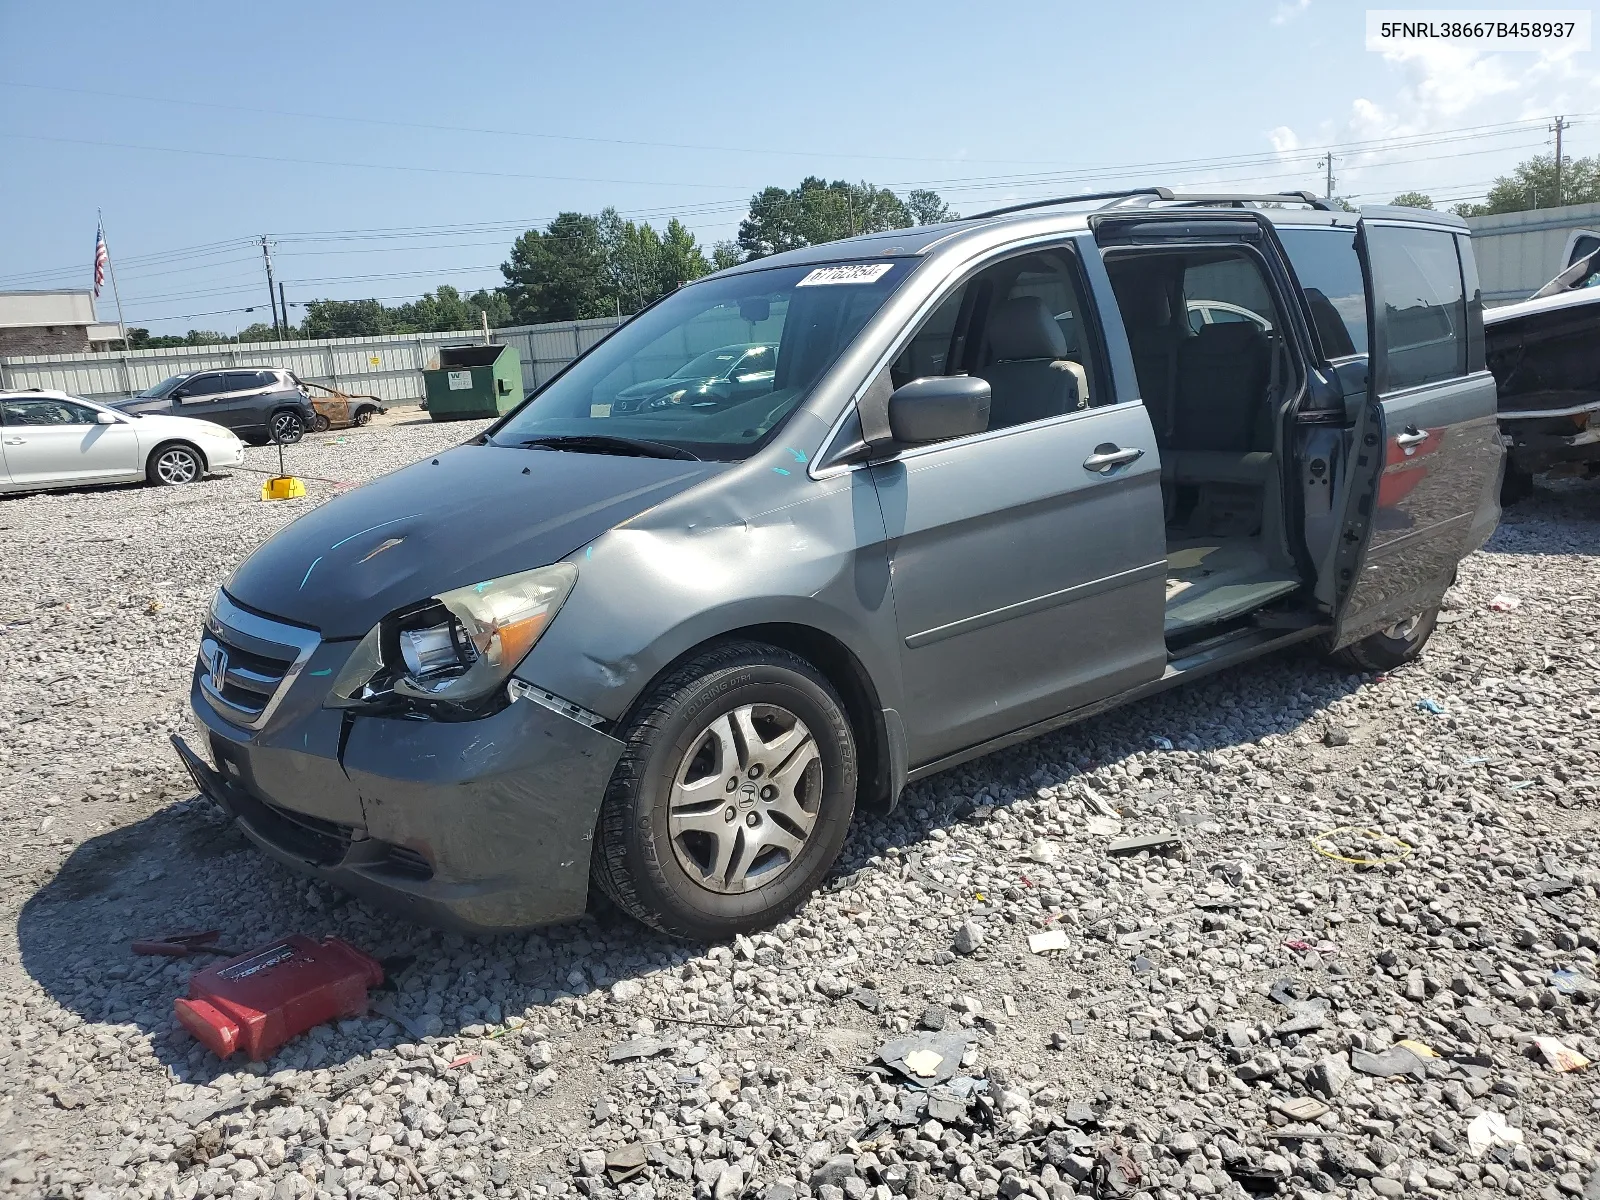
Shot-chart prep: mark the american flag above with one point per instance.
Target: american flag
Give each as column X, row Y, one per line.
column 101, row 258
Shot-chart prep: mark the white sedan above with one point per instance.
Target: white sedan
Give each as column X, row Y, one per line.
column 50, row 439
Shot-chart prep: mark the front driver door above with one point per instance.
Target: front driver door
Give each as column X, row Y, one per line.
column 1028, row 563
column 1429, row 444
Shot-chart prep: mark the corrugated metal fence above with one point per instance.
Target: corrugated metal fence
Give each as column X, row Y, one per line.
column 390, row 367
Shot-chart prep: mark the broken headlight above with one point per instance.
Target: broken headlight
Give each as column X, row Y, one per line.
column 455, row 648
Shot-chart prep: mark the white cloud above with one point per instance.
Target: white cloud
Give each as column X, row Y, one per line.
column 1438, row 88
column 1287, row 10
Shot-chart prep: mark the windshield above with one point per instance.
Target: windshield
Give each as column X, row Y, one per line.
column 159, row 392
column 807, row 314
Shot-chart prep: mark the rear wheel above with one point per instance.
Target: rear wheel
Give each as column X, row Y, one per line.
column 287, row 426
column 733, row 795
column 1389, row 648
column 320, row 423
column 174, row 464
column 364, row 415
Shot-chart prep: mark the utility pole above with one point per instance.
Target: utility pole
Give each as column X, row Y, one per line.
column 272, row 294
column 1561, row 123
column 283, row 304
column 1327, row 161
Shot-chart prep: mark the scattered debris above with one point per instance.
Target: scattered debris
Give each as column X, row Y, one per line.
column 643, row 1047
column 1504, row 603
column 925, row 1058
column 1360, row 847
column 1166, row 839
column 1300, row 1108
column 625, row 1162
column 1050, row 939
column 1396, row 1060
column 1103, row 826
column 181, row 945
column 1489, row 1129
column 1560, row 1057
column 1430, row 705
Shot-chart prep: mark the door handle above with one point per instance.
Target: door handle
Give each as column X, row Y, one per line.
column 1107, row 457
column 1411, row 437
column 16, row 441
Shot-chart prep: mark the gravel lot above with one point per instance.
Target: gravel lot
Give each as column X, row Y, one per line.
column 1223, row 1014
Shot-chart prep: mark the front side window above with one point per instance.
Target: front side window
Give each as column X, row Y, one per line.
column 48, row 411
column 163, row 389
column 202, row 385
column 663, row 379
column 1420, row 300
column 1325, row 262
column 1022, row 325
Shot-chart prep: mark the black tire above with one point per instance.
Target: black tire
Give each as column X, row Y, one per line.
column 1389, row 648
column 1516, row 486
column 364, row 415
column 287, row 426
column 320, row 423
column 636, row 862
column 174, row 464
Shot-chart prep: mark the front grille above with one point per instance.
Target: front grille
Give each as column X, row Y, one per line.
column 247, row 662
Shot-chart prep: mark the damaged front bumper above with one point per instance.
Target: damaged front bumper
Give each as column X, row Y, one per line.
column 478, row 826
column 1538, row 440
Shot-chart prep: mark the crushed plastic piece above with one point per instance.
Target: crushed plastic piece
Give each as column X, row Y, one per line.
column 1504, row 603
column 1430, row 705
column 1560, row 1057
column 1488, row 1130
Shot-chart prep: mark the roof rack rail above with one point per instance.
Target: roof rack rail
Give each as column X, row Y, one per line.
column 1239, row 199
column 1154, row 193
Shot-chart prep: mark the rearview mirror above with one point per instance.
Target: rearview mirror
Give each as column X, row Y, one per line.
column 104, row 418
column 756, row 310
column 939, row 407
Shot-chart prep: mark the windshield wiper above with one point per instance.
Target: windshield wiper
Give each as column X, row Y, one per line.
column 606, row 443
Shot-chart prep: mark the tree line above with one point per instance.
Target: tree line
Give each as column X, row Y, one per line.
column 582, row 265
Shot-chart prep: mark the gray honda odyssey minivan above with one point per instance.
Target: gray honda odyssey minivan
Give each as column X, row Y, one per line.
column 993, row 478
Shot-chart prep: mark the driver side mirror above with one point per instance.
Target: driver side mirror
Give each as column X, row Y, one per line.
column 939, row 407
column 104, row 418
column 177, row 396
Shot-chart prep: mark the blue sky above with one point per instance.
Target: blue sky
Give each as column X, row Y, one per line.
column 688, row 109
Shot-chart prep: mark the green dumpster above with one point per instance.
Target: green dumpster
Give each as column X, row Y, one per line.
column 473, row 383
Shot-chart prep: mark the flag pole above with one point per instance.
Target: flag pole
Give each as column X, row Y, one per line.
column 111, row 266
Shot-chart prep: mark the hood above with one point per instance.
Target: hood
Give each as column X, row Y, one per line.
column 651, row 386
column 141, row 404
column 471, row 514
column 158, row 424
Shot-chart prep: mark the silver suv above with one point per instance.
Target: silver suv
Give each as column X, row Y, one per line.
column 260, row 404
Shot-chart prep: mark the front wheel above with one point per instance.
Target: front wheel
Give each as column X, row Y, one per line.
column 1389, row 648
column 172, row 466
column 364, row 416
column 288, row 426
column 320, row 423
column 733, row 795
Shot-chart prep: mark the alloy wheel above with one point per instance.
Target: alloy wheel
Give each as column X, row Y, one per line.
column 1401, row 630
column 176, row 465
column 745, row 798
column 288, row 427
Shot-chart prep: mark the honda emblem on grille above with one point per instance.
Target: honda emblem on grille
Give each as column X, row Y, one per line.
column 219, row 669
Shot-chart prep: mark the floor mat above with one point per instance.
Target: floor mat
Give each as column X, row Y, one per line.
column 1213, row 580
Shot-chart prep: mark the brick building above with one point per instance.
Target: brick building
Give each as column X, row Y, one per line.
column 55, row 322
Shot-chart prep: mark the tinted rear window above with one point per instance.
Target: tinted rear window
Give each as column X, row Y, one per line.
column 1325, row 262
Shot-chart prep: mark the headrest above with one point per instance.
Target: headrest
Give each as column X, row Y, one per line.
column 1023, row 327
column 1144, row 302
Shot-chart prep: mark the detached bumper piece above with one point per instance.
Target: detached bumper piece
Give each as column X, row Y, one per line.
column 259, row 1001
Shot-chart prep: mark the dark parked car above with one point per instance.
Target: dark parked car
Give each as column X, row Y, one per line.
column 260, row 404
column 997, row 482
column 714, row 379
column 1545, row 355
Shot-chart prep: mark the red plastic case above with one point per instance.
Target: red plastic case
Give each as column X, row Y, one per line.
column 260, row 1000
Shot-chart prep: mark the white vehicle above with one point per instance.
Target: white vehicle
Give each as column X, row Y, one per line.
column 50, row 439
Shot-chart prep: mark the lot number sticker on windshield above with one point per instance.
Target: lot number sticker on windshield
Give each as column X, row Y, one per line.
column 867, row 273
column 460, row 381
